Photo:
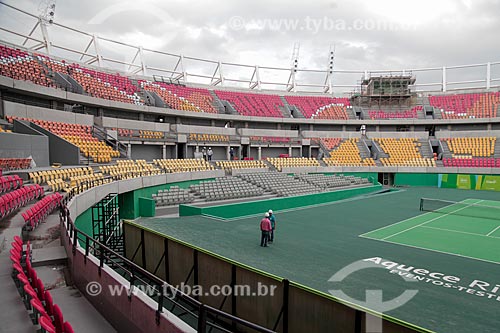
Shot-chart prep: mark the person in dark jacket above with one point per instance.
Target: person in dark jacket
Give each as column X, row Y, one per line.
column 272, row 219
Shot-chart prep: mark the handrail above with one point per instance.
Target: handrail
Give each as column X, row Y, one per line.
column 206, row 315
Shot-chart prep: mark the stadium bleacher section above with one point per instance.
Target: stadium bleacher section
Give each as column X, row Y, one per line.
column 252, row 104
column 314, row 106
column 20, row 65
column 463, row 106
column 347, row 154
column 403, row 152
column 181, row 98
column 79, row 135
column 292, row 162
column 471, row 146
column 7, row 164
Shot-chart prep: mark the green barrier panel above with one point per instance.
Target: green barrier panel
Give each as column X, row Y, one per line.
column 186, row 210
column 488, row 183
column 129, row 202
column 146, row 207
column 259, row 207
column 416, row 179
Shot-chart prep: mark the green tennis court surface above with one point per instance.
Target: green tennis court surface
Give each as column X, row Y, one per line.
column 313, row 244
column 469, row 228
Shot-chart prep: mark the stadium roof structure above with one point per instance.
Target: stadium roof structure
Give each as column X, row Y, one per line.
column 143, row 62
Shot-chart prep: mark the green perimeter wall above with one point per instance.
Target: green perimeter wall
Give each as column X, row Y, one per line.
column 416, row 179
column 258, row 207
column 129, row 204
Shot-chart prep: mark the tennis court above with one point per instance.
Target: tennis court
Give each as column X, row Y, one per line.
column 313, row 243
column 469, row 228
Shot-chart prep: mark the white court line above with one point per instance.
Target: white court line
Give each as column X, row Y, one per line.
column 488, row 234
column 461, row 232
column 434, row 219
column 437, row 251
column 408, row 219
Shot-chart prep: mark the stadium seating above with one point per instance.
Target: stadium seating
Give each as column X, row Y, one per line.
column 280, row 184
column 125, row 132
column 16, row 199
column 244, row 164
column 182, row 98
column 347, row 154
column 331, row 112
column 208, row 137
column 403, row 152
column 292, row 162
column 37, row 213
column 20, row 65
column 7, row 164
column 332, row 181
column 37, row 299
column 173, row 196
column 270, row 139
column 225, row 188
column 126, row 169
column 314, row 106
column 97, row 84
column 472, row 146
column 10, row 183
column 472, row 162
column 80, row 136
column 183, row 165
column 41, row 177
column 251, row 104
column 331, row 143
column 477, row 105
column 406, row 114
column 151, row 135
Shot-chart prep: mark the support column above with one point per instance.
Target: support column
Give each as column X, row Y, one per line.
column 164, row 152
column 259, row 152
column 129, row 151
column 228, row 155
column 290, row 151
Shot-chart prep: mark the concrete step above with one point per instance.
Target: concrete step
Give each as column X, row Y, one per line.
column 55, row 255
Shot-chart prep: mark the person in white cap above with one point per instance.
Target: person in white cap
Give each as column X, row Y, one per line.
column 272, row 219
column 265, row 228
column 210, row 153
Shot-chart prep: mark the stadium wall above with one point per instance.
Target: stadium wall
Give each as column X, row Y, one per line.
column 23, row 145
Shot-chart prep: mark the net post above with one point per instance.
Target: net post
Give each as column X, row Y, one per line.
column 421, row 204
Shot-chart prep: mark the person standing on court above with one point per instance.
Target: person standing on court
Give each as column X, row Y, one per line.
column 272, row 219
column 265, row 227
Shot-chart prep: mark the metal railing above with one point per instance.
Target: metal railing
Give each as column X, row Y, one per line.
column 201, row 316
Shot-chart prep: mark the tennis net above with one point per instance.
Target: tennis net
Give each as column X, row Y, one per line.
column 460, row 208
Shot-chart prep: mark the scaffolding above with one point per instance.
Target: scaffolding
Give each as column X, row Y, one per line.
column 106, row 225
column 393, row 91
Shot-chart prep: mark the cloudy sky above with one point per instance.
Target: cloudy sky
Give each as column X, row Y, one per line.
column 369, row 34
